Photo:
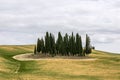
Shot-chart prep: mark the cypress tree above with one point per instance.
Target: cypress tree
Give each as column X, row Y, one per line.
column 38, row 45
column 87, row 46
column 62, row 48
column 47, row 43
column 73, row 44
column 42, row 46
column 79, row 48
column 74, row 48
column 59, row 43
column 70, row 47
column 52, row 45
column 66, row 44
column 77, row 43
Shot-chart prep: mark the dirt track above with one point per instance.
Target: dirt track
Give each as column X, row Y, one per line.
column 30, row 56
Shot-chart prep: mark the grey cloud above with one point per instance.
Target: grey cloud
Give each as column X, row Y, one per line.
column 108, row 31
column 33, row 18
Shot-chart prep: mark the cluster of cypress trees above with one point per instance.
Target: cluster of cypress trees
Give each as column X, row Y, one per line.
column 68, row 45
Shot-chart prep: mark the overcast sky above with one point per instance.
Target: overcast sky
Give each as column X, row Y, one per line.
column 23, row 21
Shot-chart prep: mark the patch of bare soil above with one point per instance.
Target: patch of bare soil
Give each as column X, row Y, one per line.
column 31, row 56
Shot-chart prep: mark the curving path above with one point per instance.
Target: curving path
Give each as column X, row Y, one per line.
column 30, row 56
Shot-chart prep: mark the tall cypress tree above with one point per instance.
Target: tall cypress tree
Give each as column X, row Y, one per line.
column 62, row 50
column 42, row 46
column 66, row 44
column 79, row 48
column 77, row 43
column 70, row 47
column 73, row 44
column 47, row 42
column 52, row 45
column 59, row 43
column 87, row 46
column 38, row 45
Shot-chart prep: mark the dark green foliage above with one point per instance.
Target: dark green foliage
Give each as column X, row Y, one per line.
column 59, row 43
column 72, row 45
column 79, row 48
column 64, row 45
column 52, row 45
column 62, row 50
column 47, row 42
column 87, row 46
column 42, row 46
column 93, row 48
column 38, row 45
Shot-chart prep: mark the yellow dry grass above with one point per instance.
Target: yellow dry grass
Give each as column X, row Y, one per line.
column 33, row 77
column 99, row 67
column 12, row 48
column 29, row 48
column 3, row 66
column 76, row 68
column 106, row 67
column 7, row 48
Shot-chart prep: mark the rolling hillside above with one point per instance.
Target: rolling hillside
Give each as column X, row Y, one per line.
column 106, row 67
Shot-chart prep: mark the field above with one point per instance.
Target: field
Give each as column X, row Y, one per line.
column 105, row 67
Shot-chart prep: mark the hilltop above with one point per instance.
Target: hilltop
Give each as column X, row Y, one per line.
column 106, row 67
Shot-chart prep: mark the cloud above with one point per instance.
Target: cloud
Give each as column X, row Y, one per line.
column 24, row 20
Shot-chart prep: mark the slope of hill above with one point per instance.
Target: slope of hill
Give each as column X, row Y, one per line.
column 106, row 67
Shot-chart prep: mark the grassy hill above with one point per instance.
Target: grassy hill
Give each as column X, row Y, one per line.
column 106, row 67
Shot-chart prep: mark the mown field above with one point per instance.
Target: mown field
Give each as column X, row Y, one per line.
column 106, row 67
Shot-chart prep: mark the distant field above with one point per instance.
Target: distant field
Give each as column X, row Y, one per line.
column 106, row 67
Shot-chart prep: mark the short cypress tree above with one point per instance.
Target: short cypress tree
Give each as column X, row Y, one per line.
column 93, row 48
